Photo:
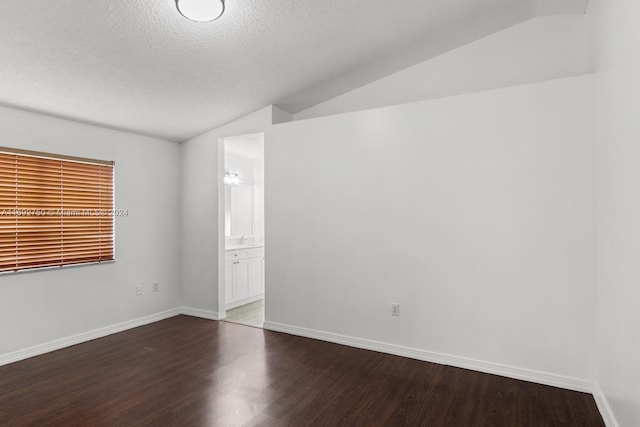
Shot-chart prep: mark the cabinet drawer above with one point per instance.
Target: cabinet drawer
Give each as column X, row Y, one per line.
column 257, row 252
column 236, row 255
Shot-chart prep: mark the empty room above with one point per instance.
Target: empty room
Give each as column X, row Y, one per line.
column 327, row 213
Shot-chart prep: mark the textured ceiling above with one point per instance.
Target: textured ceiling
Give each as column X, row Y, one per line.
column 138, row 65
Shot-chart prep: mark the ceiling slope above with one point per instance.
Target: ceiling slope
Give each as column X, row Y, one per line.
column 139, row 66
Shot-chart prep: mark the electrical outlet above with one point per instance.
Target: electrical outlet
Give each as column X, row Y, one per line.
column 156, row 287
column 138, row 291
column 395, row 309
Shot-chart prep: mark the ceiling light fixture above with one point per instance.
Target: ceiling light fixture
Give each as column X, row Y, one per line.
column 201, row 10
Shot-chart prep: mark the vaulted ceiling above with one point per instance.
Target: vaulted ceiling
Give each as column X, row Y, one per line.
column 138, row 65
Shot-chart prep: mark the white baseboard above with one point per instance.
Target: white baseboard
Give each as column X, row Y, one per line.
column 545, row 378
column 37, row 350
column 604, row 407
column 197, row 312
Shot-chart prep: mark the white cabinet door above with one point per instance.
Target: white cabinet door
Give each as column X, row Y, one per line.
column 256, row 277
column 228, row 282
column 241, row 279
column 244, row 276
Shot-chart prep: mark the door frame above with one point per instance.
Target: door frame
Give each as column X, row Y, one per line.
column 222, row 309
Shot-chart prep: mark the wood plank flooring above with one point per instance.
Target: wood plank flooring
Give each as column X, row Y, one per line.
column 186, row 371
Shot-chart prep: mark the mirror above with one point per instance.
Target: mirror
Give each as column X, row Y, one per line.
column 238, row 209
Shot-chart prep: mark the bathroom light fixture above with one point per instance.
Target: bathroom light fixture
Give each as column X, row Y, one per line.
column 201, row 10
column 231, row 178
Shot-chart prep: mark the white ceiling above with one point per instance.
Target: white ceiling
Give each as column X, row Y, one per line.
column 138, row 65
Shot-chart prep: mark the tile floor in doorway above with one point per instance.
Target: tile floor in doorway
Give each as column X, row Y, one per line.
column 251, row 314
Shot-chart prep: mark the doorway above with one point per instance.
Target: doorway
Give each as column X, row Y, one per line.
column 241, row 291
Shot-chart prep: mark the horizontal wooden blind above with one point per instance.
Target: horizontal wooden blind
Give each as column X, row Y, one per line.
column 54, row 210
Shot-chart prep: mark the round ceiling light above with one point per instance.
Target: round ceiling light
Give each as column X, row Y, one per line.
column 201, row 10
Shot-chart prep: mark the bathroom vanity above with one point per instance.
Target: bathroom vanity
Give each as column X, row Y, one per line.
column 244, row 274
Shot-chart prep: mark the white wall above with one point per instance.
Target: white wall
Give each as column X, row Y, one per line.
column 41, row 306
column 475, row 213
column 539, row 49
column 616, row 36
column 202, row 220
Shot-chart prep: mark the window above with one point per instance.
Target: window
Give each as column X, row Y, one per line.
column 54, row 210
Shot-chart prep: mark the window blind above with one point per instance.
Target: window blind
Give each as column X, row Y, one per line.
column 54, row 210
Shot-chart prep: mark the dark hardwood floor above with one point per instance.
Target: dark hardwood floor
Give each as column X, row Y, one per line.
column 193, row 372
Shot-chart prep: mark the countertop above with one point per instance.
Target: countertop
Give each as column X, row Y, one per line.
column 244, row 246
